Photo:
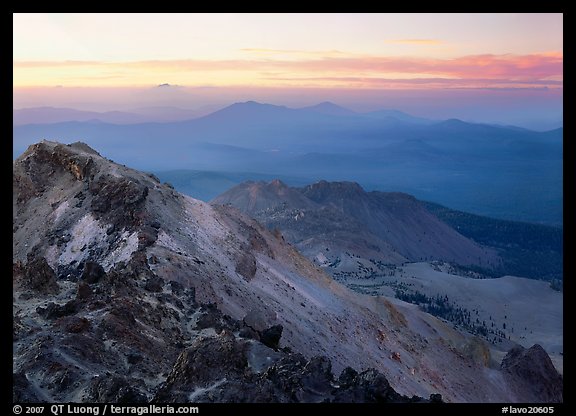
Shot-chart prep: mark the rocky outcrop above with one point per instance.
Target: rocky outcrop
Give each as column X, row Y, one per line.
column 44, row 163
column 221, row 369
column 115, row 389
column 246, row 265
column 119, row 200
column 57, row 186
column 531, row 370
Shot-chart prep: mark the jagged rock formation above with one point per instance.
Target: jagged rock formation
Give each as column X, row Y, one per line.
column 531, row 369
column 126, row 291
column 233, row 371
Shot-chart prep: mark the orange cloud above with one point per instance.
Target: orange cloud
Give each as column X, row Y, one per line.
column 480, row 70
column 54, row 64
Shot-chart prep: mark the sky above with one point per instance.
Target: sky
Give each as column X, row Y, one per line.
column 437, row 65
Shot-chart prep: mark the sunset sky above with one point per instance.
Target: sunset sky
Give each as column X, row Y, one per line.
column 270, row 56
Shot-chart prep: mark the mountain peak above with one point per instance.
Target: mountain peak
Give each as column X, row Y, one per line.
column 74, row 158
column 329, row 108
column 397, row 219
column 249, row 102
column 257, row 196
column 343, row 187
column 84, row 148
column 453, row 122
column 255, row 104
column 250, row 110
column 278, row 184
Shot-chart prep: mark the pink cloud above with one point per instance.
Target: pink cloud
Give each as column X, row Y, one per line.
column 477, row 66
column 420, row 81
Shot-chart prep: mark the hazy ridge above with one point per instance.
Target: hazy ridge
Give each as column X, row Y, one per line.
column 502, row 172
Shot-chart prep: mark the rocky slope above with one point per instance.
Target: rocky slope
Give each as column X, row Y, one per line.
column 502, row 310
column 125, row 290
column 124, row 339
column 352, row 233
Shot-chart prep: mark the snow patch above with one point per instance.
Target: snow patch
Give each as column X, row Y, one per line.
column 86, row 231
column 321, row 259
column 165, row 240
column 60, row 210
column 51, row 256
column 113, row 170
column 128, row 245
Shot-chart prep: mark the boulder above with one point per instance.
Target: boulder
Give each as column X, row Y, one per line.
column 271, row 336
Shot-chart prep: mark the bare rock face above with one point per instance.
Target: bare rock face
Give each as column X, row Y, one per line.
column 45, row 165
column 119, row 200
column 205, row 362
column 531, row 370
column 115, row 389
column 246, row 265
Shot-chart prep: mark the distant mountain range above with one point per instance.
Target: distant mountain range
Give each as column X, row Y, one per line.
column 503, row 172
column 51, row 115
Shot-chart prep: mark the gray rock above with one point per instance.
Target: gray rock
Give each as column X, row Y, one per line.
column 531, row 370
column 271, row 336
